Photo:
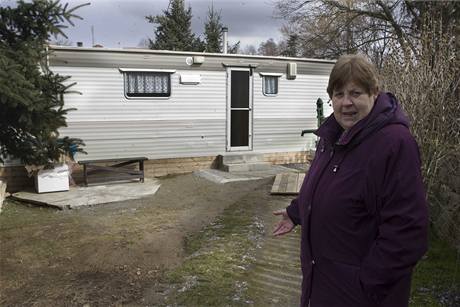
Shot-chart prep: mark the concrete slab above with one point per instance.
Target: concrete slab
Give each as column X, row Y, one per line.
column 221, row 177
column 93, row 195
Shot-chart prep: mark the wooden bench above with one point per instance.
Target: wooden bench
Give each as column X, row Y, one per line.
column 115, row 171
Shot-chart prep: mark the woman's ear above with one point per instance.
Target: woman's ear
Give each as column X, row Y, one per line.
column 377, row 90
column 375, row 93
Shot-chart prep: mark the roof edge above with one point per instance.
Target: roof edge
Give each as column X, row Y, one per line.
column 190, row 53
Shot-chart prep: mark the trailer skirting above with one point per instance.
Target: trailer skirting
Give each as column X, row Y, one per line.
column 17, row 179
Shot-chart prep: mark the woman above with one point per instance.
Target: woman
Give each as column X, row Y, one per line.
column 362, row 205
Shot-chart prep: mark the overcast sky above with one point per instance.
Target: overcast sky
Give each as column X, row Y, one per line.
column 122, row 23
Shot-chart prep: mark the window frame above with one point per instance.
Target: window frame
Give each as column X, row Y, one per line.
column 273, row 75
column 144, row 96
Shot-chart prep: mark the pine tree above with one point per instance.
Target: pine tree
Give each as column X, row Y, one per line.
column 292, row 47
column 31, row 96
column 234, row 48
column 213, row 31
column 174, row 31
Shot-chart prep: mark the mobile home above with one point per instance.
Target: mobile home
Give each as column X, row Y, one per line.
column 183, row 109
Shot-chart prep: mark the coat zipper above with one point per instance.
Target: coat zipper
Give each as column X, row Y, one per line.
column 331, row 155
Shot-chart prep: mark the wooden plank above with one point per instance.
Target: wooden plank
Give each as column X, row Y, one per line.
column 112, row 160
column 280, row 184
column 283, row 184
column 276, row 184
column 287, row 183
column 300, row 181
column 292, row 183
column 112, row 172
column 93, row 169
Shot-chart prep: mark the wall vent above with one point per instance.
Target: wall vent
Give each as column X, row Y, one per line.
column 291, row 71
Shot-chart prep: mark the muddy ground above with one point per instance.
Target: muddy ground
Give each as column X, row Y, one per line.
column 121, row 253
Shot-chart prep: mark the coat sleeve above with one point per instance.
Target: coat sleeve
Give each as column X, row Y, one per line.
column 293, row 211
column 401, row 212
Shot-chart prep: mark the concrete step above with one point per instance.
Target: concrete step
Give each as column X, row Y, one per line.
column 241, row 158
column 246, row 167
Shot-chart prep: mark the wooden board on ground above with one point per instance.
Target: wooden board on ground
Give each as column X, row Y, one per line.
column 287, row 183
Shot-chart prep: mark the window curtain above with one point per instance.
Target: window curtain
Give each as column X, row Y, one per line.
column 271, row 85
column 145, row 83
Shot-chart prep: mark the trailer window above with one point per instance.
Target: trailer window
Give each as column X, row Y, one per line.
column 147, row 84
column 270, row 85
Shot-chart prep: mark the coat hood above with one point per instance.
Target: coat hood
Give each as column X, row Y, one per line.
column 386, row 111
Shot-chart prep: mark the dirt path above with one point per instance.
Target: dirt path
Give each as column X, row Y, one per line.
column 107, row 255
column 275, row 278
column 195, row 243
column 236, row 261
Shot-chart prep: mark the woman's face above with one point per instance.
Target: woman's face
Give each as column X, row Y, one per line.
column 351, row 104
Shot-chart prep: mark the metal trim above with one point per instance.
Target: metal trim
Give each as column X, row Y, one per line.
column 270, row 74
column 248, row 65
column 187, row 53
column 171, row 71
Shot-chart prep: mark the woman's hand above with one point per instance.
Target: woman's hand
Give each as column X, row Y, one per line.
column 285, row 225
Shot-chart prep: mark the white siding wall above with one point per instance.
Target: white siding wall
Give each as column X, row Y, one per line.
column 279, row 120
column 189, row 123
column 192, row 122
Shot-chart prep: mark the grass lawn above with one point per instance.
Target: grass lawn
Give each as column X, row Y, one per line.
column 221, row 256
column 436, row 279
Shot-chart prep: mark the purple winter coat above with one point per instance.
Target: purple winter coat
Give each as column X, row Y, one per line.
column 363, row 212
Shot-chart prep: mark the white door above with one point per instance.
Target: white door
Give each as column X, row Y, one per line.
column 239, row 109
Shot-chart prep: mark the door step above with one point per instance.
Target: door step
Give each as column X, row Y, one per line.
column 243, row 163
column 246, row 167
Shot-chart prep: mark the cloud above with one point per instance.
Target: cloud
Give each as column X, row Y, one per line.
column 244, row 18
column 122, row 23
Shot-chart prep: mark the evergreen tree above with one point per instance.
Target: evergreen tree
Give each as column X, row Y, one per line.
column 31, row 96
column 234, row 48
column 174, row 31
column 292, row 46
column 213, row 31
